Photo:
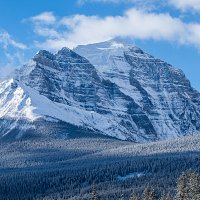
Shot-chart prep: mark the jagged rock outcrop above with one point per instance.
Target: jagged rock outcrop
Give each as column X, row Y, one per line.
column 162, row 91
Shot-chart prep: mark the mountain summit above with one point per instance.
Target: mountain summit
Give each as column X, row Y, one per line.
column 110, row 88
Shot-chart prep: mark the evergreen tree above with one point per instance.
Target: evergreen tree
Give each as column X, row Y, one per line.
column 148, row 194
column 152, row 195
column 133, row 196
column 166, row 196
column 122, row 197
column 188, row 187
column 145, row 195
column 94, row 193
column 194, row 187
column 181, row 188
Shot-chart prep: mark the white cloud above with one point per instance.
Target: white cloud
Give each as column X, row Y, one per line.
column 134, row 23
column 45, row 18
column 193, row 36
column 44, row 25
column 80, row 29
column 11, row 61
column 6, row 72
column 46, row 31
column 11, row 53
column 185, row 5
column 54, row 44
column 6, row 40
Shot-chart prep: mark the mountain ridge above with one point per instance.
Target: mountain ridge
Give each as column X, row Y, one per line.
column 113, row 89
column 141, row 72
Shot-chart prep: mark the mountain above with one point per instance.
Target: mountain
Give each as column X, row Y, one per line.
column 110, row 88
column 162, row 91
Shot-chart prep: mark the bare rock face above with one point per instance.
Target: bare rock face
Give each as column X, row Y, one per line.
column 111, row 89
column 162, row 91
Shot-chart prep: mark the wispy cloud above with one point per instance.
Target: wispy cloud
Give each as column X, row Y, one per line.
column 46, row 31
column 182, row 5
column 11, row 54
column 6, row 40
column 45, row 18
column 6, row 72
column 144, row 4
column 11, row 61
column 186, row 5
column 138, row 24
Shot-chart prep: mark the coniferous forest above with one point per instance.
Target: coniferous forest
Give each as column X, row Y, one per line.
column 99, row 168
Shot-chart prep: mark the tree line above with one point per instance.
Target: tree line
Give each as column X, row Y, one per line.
column 188, row 188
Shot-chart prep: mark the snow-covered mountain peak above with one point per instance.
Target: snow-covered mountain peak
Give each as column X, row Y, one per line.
column 111, row 88
column 43, row 53
column 116, row 44
column 159, row 88
column 102, row 54
column 65, row 52
column 69, row 56
column 112, row 45
column 119, row 42
column 26, row 69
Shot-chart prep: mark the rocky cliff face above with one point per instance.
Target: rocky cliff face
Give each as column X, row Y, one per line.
column 118, row 91
column 162, row 91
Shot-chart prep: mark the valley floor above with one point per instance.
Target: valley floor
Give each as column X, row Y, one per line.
column 66, row 169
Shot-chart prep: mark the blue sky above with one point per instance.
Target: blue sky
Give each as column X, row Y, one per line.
column 167, row 29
